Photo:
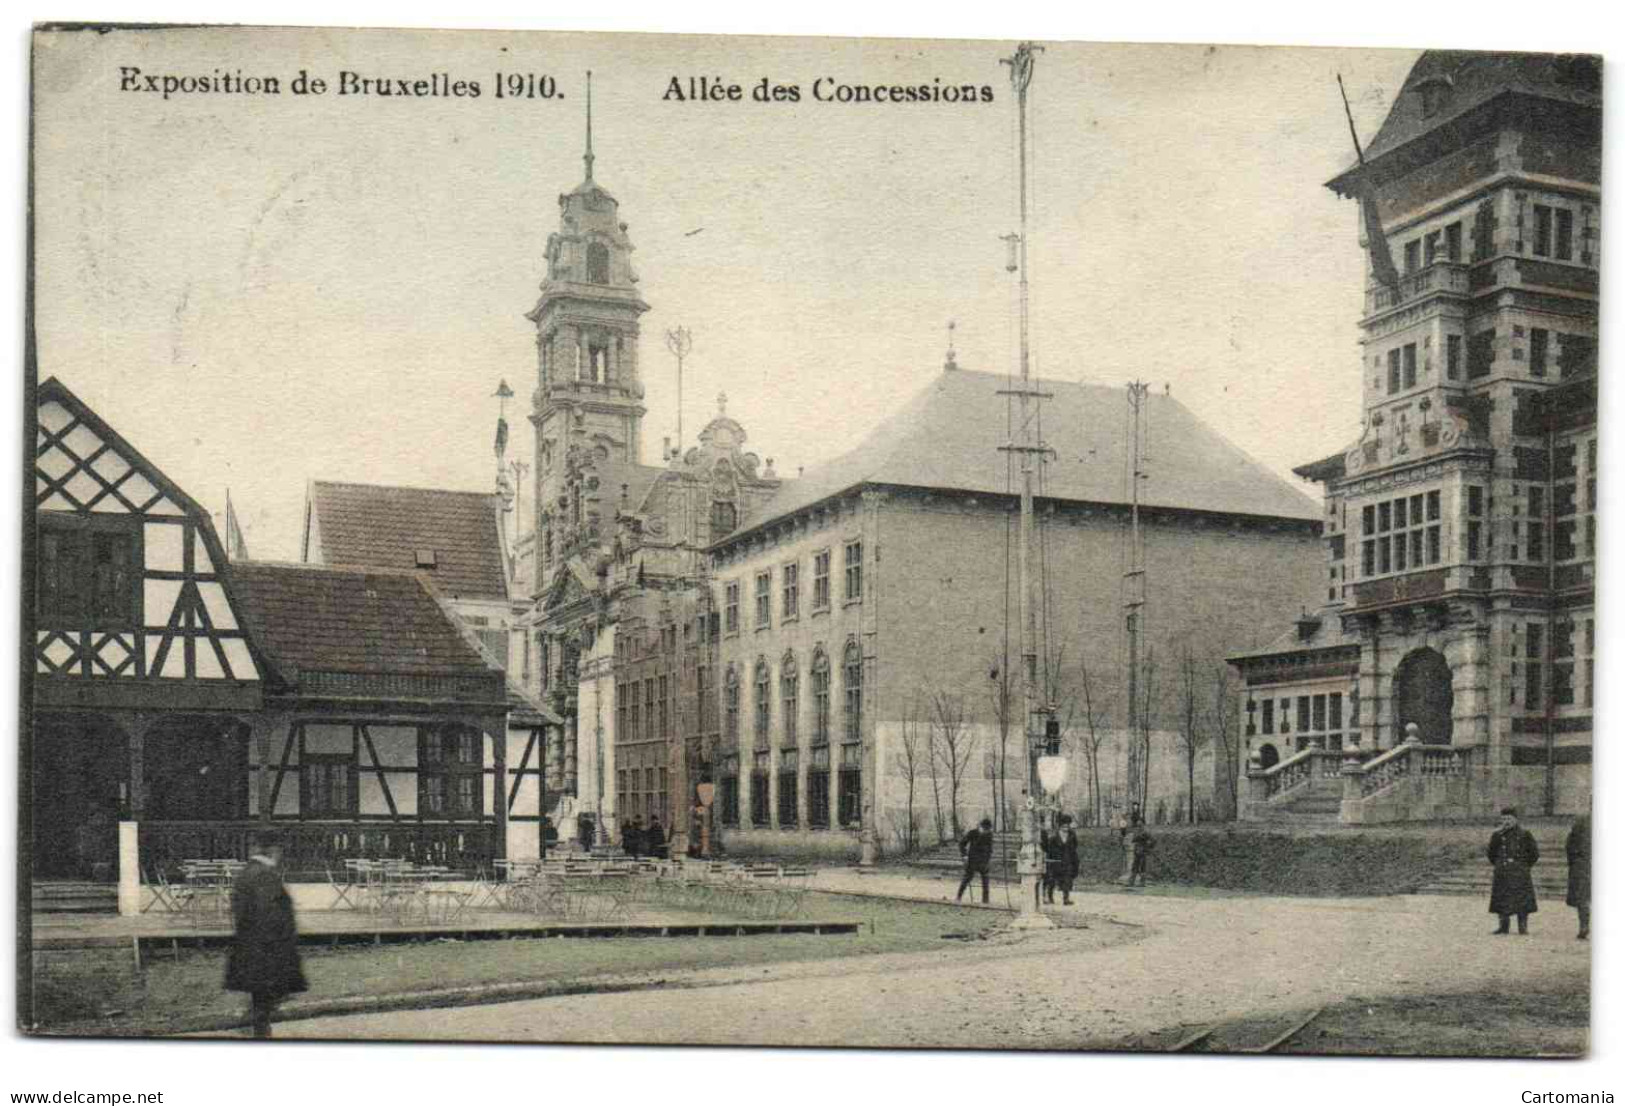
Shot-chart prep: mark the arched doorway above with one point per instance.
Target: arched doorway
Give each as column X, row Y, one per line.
column 1268, row 756
column 1423, row 694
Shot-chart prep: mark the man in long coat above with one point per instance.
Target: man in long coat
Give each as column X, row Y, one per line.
column 1513, row 852
column 1578, row 848
column 1067, row 842
column 264, row 957
column 977, row 849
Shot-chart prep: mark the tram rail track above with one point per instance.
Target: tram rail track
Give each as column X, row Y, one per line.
column 1246, row 1036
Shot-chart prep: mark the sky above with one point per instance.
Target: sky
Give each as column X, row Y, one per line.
column 259, row 291
column 257, row 297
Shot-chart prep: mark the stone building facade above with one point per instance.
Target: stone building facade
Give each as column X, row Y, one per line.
column 1461, row 524
column 864, row 615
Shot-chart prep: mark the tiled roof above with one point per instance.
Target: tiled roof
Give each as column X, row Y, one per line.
column 1474, row 79
column 1326, row 633
column 384, row 527
column 376, row 622
column 948, row 436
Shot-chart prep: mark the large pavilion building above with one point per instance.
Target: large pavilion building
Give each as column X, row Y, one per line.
column 1460, row 548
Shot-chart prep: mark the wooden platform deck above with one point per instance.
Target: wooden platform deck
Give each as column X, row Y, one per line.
column 149, row 934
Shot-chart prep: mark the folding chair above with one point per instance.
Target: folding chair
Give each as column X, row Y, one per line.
column 342, row 892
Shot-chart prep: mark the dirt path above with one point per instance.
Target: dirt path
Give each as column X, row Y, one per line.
column 1195, row 960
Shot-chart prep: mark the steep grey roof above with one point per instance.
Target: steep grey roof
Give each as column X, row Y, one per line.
column 385, row 527
column 373, row 621
column 948, row 437
column 1475, row 78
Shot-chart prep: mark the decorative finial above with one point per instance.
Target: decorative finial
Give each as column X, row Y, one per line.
column 588, row 158
column 722, row 403
column 950, row 364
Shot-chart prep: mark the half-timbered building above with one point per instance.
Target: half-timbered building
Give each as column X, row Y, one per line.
column 181, row 701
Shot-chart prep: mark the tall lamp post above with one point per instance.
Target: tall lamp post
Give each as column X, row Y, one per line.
column 1030, row 865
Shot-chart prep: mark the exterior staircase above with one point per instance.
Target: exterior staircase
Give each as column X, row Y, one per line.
column 74, row 897
column 1318, row 802
column 1551, row 875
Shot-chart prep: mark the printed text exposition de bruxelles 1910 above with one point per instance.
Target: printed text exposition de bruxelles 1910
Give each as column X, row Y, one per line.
column 534, row 86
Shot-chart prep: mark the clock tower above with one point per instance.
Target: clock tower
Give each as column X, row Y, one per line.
column 589, row 395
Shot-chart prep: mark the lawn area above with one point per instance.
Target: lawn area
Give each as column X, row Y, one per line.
column 176, row 995
column 1547, row 1018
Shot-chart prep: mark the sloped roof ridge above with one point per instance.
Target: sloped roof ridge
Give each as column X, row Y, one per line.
column 399, row 488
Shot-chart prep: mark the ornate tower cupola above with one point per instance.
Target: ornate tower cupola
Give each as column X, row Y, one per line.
column 586, row 320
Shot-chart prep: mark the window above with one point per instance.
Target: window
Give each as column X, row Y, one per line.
column 820, row 691
column 1543, row 231
column 818, row 789
column 849, row 789
column 1413, row 256
column 821, row 581
column 1400, row 535
column 788, row 762
column 792, row 599
column 1269, row 716
column 1484, row 230
column 1409, row 352
column 852, row 716
column 597, row 263
column 730, row 608
column 763, row 704
column 629, row 724
column 1452, row 242
column 649, row 731
column 789, row 686
column 665, row 706
column 730, row 791
column 730, row 705
column 1480, row 354
column 87, row 577
column 329, row 785
column 760, row 797
column 1452, row 356
column 724, row 518
column 764, row 599
column 1534, row 652
column 1564, row 219
column 1475, row 511
column 1535, row 544
column 451, row 770
column 854, row 571
column 1538, row 343
column 1393, row 371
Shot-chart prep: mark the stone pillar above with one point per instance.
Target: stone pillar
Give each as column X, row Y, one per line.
column 1373, row 703
column 129, row 870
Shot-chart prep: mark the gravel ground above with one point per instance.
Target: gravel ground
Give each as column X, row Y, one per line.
column 1133, row 964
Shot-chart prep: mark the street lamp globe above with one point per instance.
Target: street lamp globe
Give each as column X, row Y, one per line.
column 1051, row 773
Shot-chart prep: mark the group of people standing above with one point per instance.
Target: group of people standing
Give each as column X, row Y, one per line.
column 1059, row 847
column 640, row 840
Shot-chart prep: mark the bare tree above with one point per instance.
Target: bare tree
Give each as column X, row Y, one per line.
column 952, row 743
column 1225, row 729
column 1191, row 706
column 1140, row 787
column 1094, row 721
column 915, row 752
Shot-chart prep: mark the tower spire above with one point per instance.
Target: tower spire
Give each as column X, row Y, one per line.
column 588, row 157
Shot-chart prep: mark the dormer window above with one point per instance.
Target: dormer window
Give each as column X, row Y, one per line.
column 597, row 263
column 1436, row 96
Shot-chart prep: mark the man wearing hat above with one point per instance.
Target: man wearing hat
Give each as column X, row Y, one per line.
column 264, row 957
column 1513, row 852
column 977, row 849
